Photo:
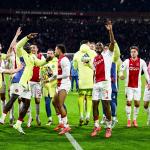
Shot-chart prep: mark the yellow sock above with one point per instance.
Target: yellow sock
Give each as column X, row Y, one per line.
column 89, row 106
column 81, row 105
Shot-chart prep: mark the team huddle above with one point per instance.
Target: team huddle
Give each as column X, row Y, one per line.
column 31, row 75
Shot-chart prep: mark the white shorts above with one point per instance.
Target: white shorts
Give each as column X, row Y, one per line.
column 3, row 88
column 102, row 91
column 36, row 90
column 146, row 97
column 18, row 89
column 133, row 93
column 66, row 87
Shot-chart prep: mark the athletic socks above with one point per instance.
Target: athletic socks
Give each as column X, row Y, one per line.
column 11, row 113
column 148, row 112
column 65, row 121
column 81, row 105
column 29, row 112
column 128, row 112
column 37, row 109
column 59, row 118
column 135, row 114
column 89, row 106
column 96, row 123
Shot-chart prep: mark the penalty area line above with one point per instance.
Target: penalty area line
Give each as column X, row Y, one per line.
column 73, row 141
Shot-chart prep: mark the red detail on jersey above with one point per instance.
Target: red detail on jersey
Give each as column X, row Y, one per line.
column 59, row 69
column 36, row 71
column 134, row 70
column 99, row 68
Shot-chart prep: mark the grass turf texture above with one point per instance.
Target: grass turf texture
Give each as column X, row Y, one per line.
column 42, row 138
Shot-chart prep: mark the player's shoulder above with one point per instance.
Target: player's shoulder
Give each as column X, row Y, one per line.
column 107, row 53
column 126, row 60
column 77, row 54
column 142, row 61
column 65, row 59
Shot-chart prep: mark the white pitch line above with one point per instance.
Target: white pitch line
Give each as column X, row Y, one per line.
column 73, row 141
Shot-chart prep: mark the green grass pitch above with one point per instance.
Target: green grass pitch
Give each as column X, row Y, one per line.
column 44, row 138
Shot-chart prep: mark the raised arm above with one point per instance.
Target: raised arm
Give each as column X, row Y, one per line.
column 11, row 71
column 14, row 41
column 111, row 35
column 22, row 42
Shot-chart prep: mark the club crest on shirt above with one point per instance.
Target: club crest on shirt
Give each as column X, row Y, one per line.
column 16, row 90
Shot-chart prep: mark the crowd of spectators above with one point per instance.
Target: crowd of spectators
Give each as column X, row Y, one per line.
column 79, row 5
column 72, row 30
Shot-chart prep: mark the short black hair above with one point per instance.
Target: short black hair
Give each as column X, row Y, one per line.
column 50, row 49
column 84, row 42
column 61, row 47
column 38, row 45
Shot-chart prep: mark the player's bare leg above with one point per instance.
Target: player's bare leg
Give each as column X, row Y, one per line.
column 106, row 106
column 136, row 111
column 97, row 127
column 2, row 95
column 147, row 110
column 37, row 102
column 24, row 109
column 29, row 114
column 61, row 99
column 19, row 105
column 8, row 106
column 128, row 112
column 55, row 104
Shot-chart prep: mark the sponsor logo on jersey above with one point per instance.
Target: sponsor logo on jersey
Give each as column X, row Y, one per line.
column 134, row 68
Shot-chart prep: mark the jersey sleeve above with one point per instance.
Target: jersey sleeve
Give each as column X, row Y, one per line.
column 65, row 64
column 123, row 67
column 145, row 69
column 19, row 46
column 3, row 56
column 39, row 62
column 116, row 54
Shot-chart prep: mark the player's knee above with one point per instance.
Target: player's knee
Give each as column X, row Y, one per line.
column 137, row 105
column 3, row 97
column 145, row 106
column 37, row 101
column 128, row 103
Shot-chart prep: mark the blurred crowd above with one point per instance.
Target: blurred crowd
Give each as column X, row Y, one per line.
column 71, row 31
column 79, row 5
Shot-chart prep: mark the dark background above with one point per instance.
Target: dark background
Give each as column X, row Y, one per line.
column 70, row 21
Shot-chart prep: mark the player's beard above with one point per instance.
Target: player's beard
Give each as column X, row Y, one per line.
column 98, row 52
column 56, row 55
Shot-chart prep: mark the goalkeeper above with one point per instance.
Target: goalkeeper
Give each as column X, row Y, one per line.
column 85, row 80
